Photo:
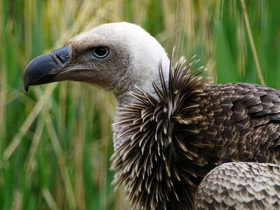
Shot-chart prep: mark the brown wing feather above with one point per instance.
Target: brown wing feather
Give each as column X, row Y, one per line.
column 240, row 185
column 246, row 118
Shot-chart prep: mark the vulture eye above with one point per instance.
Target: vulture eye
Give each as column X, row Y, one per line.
column 100, row 52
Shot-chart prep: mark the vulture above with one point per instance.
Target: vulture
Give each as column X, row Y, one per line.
column 179, row 142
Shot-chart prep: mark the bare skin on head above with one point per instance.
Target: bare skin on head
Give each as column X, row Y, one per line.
column 133, row 58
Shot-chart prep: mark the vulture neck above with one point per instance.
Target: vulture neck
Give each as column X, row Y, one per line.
column 142, row 80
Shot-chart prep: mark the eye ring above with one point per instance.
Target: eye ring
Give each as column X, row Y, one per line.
column 100, row 52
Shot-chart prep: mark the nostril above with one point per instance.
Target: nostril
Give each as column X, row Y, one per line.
column 61, row 56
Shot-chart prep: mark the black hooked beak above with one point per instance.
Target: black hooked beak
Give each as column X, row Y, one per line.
column 44, row 68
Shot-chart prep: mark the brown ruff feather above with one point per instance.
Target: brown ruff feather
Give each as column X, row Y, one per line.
column 177, row 138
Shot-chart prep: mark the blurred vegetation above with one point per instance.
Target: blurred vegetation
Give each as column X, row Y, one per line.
column 56, row 141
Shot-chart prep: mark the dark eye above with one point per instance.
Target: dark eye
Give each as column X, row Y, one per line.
column 100, row 52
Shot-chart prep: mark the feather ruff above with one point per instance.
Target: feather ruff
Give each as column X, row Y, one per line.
column 154, row 164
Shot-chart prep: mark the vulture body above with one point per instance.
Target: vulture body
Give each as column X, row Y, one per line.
column 172, row 129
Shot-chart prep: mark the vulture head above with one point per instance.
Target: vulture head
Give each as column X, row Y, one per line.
column 115, row 56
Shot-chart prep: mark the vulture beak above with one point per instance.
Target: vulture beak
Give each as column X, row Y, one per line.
column 43, row 69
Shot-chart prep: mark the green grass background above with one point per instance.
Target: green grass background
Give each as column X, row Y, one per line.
column 56, row 141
